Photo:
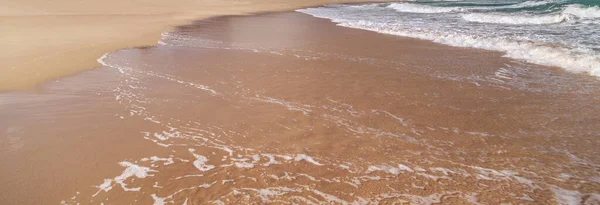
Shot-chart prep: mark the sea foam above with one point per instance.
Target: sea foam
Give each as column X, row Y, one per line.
column 583, row 12
column 416, row 8
column 427, row 9
column 515, row 19
column 571, row 59
column 570, row 12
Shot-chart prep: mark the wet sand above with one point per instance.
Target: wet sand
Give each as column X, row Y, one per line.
column 286, row 108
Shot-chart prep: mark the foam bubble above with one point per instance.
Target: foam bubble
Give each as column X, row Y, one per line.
column 200, row 162
column 405, row 168
column 158, row 200
column 309, row 159
column 154, row 159
column 131, row 170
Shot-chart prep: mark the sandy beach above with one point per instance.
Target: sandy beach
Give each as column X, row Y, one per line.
column 286, row 108
column 44, row 40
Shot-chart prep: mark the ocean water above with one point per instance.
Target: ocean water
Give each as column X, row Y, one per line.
column 561, row 33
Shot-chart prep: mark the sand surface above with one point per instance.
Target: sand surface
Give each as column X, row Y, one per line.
column 44, row 40
column 285, row 108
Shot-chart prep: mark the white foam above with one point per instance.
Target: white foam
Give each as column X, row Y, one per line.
column 515, row 19
column 106, row 186
column 442, row 170
column 571, row 60
column 271, row 161
column 529, row 4
column 200, row 162
column 223, row 147
column 582, row 12
column 483, row 134
column 420, row 8
column 246, row 165
column 383, row 168
column 151, row 119
column 192, row 175
column 569, row 13
column 433, row 177
column 309, row 159
column 577, row 60
column 570, row 197
column 566, row 197
column 310, row 177
column 103, row 60
column 417, row 8
column 154, row 159
column 158, row 200
column 131, row 170
column 405, row 168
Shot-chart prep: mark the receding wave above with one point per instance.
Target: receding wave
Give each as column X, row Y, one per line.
column 526, row 5
column 543, row 54
column 424, row 9
column 571, row 60
column 531, row 4
column 515, row 19
column 420, row 8
column 569, row 13
column 547, row 32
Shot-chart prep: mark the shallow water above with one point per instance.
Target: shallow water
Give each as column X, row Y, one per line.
column 287, row 108
column 562, row 33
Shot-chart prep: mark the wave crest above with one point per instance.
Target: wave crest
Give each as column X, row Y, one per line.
column 570, row 12
column 515, row 19
column 569, row 59
column 426, row 9
column 528, row 4
column 582, row 12
column 423, row 9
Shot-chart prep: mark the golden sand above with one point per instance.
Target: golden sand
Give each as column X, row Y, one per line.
column 44, row 40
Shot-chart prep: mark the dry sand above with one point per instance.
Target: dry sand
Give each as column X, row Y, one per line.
column 44, row 40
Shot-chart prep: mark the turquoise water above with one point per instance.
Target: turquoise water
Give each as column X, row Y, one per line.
column 561, row 33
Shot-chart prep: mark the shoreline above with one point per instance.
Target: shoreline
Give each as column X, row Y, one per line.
column 43, row 46
column 529, row 51
column 381, row 109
